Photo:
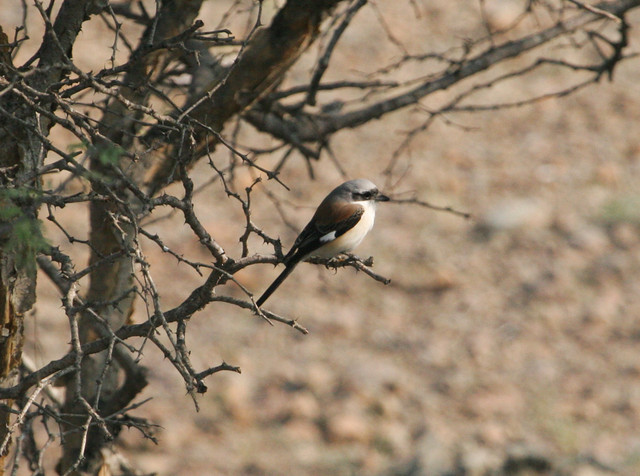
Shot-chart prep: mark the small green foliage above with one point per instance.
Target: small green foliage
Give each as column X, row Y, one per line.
column 109, row 155
column 23, row 237
column 8, row 210
column 25, row 241
column 84, row 146
column 21, row 193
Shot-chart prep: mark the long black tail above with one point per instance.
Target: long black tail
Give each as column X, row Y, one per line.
column 276, row 283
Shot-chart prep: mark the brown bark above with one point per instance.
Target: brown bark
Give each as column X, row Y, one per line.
column 21, row 153
column 318, row 127
column 17, row 266
column 114, row 281
column 264, row 62
column 15, row 294
column 262, row 65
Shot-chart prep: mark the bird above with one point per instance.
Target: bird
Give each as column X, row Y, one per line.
column 339, row 224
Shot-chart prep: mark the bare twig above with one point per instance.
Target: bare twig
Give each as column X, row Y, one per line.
column 415, row 201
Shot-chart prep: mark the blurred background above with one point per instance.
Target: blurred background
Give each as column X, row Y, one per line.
column 505, row 342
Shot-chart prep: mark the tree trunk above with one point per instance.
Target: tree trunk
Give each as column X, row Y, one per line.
column 20, row 156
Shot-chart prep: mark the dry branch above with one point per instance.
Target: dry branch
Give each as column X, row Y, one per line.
column 140, row 128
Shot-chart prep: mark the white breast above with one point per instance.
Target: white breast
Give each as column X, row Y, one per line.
column 352, row 238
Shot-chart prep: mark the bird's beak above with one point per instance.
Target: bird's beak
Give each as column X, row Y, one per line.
column 382, row 198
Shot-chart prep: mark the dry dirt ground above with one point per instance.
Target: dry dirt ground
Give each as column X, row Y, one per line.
column 509, row 339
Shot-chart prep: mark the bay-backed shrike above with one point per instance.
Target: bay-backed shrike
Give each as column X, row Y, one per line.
column 339, row 224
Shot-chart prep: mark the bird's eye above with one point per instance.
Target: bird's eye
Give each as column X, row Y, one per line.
column 366, row 195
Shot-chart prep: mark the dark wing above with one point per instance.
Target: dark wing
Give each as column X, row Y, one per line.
column 324, row 227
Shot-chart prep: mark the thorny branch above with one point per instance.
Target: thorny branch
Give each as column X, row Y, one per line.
column 144, row 121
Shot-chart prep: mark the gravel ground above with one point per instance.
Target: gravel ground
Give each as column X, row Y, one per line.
column 507, row 343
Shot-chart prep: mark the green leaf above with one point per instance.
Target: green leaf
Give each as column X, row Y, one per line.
column 110, row 154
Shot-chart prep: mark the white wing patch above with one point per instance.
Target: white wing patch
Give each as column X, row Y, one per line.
column 330, row 245
column 328, row 237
